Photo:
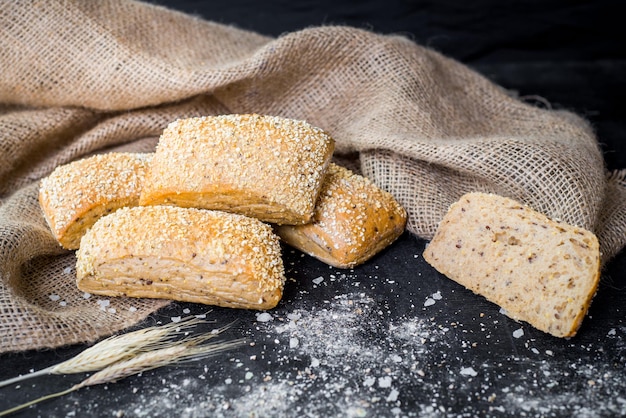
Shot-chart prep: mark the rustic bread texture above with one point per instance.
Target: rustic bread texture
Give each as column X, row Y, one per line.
column 75, row 195
column 265, row 167
column 185, row 254
column 353, row 221
column 538, row 270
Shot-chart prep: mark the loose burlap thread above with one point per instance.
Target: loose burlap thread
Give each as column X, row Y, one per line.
column 81, row 78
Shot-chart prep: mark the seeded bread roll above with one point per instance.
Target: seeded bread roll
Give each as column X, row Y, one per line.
column 353, row 221
column 538, row 270
column 185, row 254
column 266, row 167
column 76, row 195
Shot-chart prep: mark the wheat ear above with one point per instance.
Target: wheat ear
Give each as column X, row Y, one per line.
column 113, row 349
column 172, row 352
column 182, row 351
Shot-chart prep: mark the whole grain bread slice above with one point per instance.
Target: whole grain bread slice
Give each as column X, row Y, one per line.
column 538, row 270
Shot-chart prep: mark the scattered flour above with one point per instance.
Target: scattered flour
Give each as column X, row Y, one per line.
column 338, row 360
column 469, row 371
column 264, row 317
column 349, row 356
column 518, row 333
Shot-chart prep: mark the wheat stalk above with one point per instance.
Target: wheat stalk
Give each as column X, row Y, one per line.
column 170, row 353
column 113, row 349
column 181, row 351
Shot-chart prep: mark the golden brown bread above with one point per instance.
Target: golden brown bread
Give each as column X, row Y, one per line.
column 185, row 254
column 354, row 220
column 538, row 270
column 77, row 194
column 265, row 167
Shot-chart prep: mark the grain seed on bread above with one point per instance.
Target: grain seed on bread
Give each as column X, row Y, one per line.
column 353, row 221
column 266, row 167
column 75, row 195
column 184, row 254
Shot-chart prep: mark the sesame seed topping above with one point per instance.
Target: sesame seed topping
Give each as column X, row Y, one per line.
column 352, row 218
column 268, row 167
column 215, row 245
column 74, row 195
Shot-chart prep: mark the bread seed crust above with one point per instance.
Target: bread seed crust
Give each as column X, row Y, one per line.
column 75, row 195
column 266, row 167
column 353, row 221
column 185, row 254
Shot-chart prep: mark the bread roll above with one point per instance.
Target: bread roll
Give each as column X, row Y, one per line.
column 77, row 194
column 353, row 221
column 184, row 254
column 538, row 270
column 265, row 167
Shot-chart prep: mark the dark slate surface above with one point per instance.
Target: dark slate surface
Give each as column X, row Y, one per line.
column 393, row 337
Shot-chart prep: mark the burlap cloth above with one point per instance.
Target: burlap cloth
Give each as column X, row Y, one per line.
column 80, row 77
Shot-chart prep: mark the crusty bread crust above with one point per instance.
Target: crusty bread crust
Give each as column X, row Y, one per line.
column 353, row 221
column 75, row 195
column 538, row 270
column 184, row 254
column 265, row 167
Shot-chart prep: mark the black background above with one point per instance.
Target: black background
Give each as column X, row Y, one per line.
column 566, row 53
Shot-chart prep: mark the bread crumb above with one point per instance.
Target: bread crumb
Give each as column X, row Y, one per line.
column 468, row 371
